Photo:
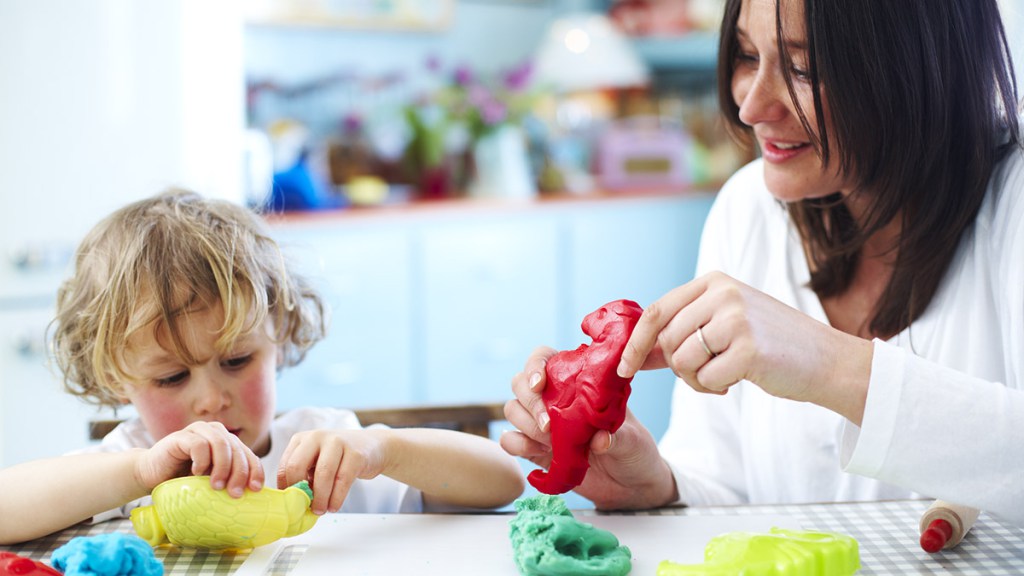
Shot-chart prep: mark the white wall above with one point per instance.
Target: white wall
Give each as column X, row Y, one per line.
column 110, row 100
column 103, row 102
column 1013, row 21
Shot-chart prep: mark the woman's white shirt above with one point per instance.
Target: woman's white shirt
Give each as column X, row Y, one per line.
column 945, row 409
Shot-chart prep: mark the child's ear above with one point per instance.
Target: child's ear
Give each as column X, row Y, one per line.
column 120, row 394
column 122, row 398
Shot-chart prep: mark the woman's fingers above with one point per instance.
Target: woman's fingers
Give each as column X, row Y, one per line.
column 527, row 387
column 518, row 444
column 525, row 421
column 650, row 332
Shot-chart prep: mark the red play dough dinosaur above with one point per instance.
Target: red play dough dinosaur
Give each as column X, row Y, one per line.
column 583, row 394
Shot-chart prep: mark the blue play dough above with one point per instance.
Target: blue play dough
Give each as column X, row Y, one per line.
column 107, row 555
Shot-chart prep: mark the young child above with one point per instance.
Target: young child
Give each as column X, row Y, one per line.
column 186, row 309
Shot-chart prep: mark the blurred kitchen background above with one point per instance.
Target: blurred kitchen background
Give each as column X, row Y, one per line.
column 464, row 179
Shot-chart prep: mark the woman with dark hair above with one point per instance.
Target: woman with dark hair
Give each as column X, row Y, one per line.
column 856, row 328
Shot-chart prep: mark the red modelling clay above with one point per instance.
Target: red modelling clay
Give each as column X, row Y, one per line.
column 583, row 394
column 934, row 538
column 11, row 563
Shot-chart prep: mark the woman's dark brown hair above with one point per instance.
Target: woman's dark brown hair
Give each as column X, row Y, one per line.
column 923, row 103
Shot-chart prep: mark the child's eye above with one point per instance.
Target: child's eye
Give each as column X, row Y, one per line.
column 237, row 362
column 172, row 380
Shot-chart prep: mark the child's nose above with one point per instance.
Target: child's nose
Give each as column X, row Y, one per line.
column 211, row 395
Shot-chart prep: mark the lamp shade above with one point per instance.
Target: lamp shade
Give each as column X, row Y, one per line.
column 586, row 52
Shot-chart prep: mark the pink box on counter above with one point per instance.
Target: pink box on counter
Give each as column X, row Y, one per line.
column 643, row 152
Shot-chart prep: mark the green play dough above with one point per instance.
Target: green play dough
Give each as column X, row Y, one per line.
column 304, row 486
column 777, row 553
column 548, row 541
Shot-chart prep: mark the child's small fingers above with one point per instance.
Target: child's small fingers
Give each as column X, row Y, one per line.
column 328, row 463
column 353, row 465
column 220, row 451
column 342, row 484
column 286, row 469
column 256, row 476
column 239, row 469
column 199, row 452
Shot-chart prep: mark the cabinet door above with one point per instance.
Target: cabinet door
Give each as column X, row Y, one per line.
column 37, row 417
column 365, row 360
column 489, row 296
column 638, row 251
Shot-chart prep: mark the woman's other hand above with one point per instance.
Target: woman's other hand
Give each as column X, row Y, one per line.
column 626, row 470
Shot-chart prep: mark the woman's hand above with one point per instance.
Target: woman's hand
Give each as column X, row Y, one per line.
column 331, row 461
column 748, row 335
column 625, row 471
column 202, row 448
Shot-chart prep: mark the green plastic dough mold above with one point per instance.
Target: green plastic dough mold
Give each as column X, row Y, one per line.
column 777, row 553
column 548, row 541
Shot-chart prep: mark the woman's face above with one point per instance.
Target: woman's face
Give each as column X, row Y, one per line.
column 792, row 168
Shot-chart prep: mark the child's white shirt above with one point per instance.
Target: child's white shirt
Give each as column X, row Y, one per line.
column 380, row 495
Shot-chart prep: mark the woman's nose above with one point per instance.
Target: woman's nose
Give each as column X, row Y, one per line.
column 761, row 97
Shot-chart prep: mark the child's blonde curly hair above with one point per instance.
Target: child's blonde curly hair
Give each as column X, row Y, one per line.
column 155, row 261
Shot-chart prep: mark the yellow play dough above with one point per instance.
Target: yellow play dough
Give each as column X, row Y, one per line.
column 189, row 512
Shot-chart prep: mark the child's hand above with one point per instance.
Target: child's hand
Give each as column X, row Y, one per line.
column 331, row 460
column 202, row 448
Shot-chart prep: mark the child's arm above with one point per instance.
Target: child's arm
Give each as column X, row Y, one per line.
column 448, row 467
column 43, row 496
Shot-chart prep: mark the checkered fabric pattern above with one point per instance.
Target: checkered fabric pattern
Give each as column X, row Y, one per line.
column 175, row 560
column 886, row 531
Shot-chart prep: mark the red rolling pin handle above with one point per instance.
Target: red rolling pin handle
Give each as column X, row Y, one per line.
column 943, row 525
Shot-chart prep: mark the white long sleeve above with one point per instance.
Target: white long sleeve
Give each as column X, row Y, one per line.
column 945, row 409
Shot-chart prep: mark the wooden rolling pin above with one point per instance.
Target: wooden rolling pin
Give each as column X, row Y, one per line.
column 944, row 525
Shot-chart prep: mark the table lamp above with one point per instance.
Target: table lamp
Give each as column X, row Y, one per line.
column 582, row 53
column 585, row 51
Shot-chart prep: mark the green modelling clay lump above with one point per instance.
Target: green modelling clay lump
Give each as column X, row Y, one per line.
column 548, row 541
column 778, row 553
column 304, row 486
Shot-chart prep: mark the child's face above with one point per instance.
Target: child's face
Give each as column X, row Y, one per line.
column 235, row 389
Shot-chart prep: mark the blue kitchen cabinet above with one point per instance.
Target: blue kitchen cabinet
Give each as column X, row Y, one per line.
column 443, row 306
column 365, row 276
column 38, row 419
column 488, row 295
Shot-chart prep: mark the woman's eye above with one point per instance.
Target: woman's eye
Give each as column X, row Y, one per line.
column 172, row 380
column 237, row 362
column 746, row 58
column 800, row 74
